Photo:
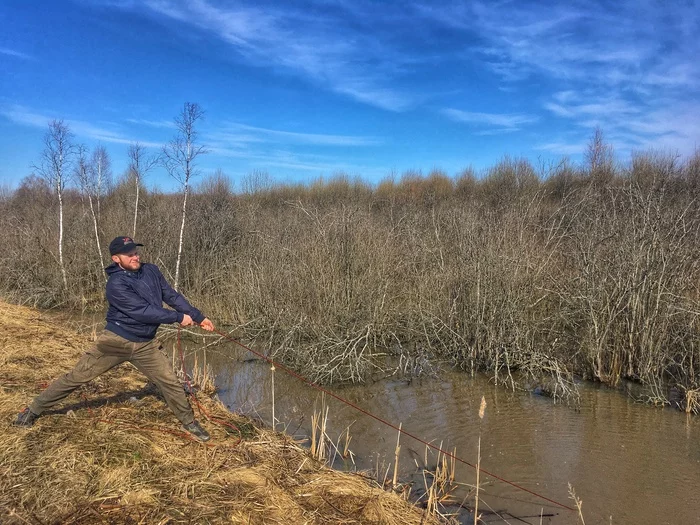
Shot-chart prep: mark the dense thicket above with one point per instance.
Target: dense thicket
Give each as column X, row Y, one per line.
column 592, row 271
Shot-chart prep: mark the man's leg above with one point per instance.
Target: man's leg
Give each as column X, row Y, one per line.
column 155, row 365
column 93, row 363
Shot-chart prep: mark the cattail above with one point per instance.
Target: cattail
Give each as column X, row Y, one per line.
column 482, row 407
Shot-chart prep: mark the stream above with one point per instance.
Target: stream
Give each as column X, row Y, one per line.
column 627, row 462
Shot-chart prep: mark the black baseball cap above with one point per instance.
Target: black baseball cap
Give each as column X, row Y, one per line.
column 122, row 245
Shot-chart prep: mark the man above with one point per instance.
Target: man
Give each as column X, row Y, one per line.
column 135, row 293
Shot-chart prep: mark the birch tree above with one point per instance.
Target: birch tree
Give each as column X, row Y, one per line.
column 101, row 172
column 140, row 163
column 90, row 175
column 54, row 166
column 179, row 158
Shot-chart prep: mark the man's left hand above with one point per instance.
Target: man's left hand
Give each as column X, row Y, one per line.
column 207, row 325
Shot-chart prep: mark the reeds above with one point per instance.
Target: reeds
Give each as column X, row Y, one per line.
column 692, row 400
column 323, row 448
column 578, row 503
column 319, row 437
column 203, row 375
column 440, row 484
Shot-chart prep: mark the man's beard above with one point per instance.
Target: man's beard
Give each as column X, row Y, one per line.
column 131, row 266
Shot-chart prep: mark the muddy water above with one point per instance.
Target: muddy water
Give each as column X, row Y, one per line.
column 628, row 463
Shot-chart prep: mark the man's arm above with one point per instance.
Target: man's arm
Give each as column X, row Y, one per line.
column 177, row 301
column 126, row 300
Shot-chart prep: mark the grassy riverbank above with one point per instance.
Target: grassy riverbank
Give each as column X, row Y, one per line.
column 113, row 453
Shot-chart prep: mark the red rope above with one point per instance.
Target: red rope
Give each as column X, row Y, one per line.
column 122, row 424
column 387, row 423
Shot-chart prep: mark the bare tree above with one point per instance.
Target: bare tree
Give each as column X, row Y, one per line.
column 54, row 167
column 140, row 163
column 101, row 171
column 600, row 158
column 89, row 176
column 179, row 158
column 256, row 181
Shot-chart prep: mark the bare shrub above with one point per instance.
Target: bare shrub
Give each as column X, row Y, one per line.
column 535, row 282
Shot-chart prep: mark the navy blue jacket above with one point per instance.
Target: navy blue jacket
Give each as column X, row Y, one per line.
column 136, row 302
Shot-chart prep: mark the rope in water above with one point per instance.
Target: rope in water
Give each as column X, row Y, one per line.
column 383, row 421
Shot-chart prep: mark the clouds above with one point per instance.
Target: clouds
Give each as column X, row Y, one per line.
column 299, row 40
column 319, row 86
column 15, row 54
column 264, row 134
column 228, row 139
column 168, row 124
column 617, row 57
column 591, row 42
column 264, row 148
column 630, row 66
column 629, row 126
column 496, row 123
column 82, row 129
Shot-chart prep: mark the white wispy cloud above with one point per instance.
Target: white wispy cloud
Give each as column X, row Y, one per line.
column 570, row 105
column 152, row 123
column 503, row 122
column 258, row 146
column 359, row 65
column 287, row 159
column 563, row 148
column 267, row 148
column 628, row 127
column 80, row 128
column 313, row 163
column 15, row 53
column 24, row 116
column 258, row 134
column 630, row 67
column 647, row 123
column 582, row 41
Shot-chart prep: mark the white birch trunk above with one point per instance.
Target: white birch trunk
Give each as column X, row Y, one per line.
column 97, row 197
column 60, row 234
column 136, row 207
column 97, row 234
column 182, row 232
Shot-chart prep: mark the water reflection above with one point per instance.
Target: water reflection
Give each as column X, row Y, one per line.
column 630, row 462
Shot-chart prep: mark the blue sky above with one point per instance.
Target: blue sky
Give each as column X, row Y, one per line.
column 310, row 89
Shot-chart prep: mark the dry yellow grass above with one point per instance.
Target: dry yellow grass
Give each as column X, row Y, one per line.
column 103, row 457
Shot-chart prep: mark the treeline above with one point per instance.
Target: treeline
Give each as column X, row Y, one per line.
column 534, row 275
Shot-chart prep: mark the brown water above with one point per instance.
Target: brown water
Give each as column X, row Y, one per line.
column 629, row 463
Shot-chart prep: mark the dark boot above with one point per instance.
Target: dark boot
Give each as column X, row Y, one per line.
column 197, row 431
column 25, row 418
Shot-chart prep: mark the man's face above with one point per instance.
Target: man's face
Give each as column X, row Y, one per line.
column 128, row 261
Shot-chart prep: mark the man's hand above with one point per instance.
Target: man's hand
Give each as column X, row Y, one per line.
column 207, row 325
column 186, row 320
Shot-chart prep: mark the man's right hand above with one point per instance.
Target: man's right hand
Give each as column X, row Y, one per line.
column 186, row 320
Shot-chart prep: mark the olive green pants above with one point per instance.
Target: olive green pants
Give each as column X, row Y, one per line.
column 109, row 351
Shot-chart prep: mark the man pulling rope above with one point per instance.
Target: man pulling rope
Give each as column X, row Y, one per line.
column 136, row 293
